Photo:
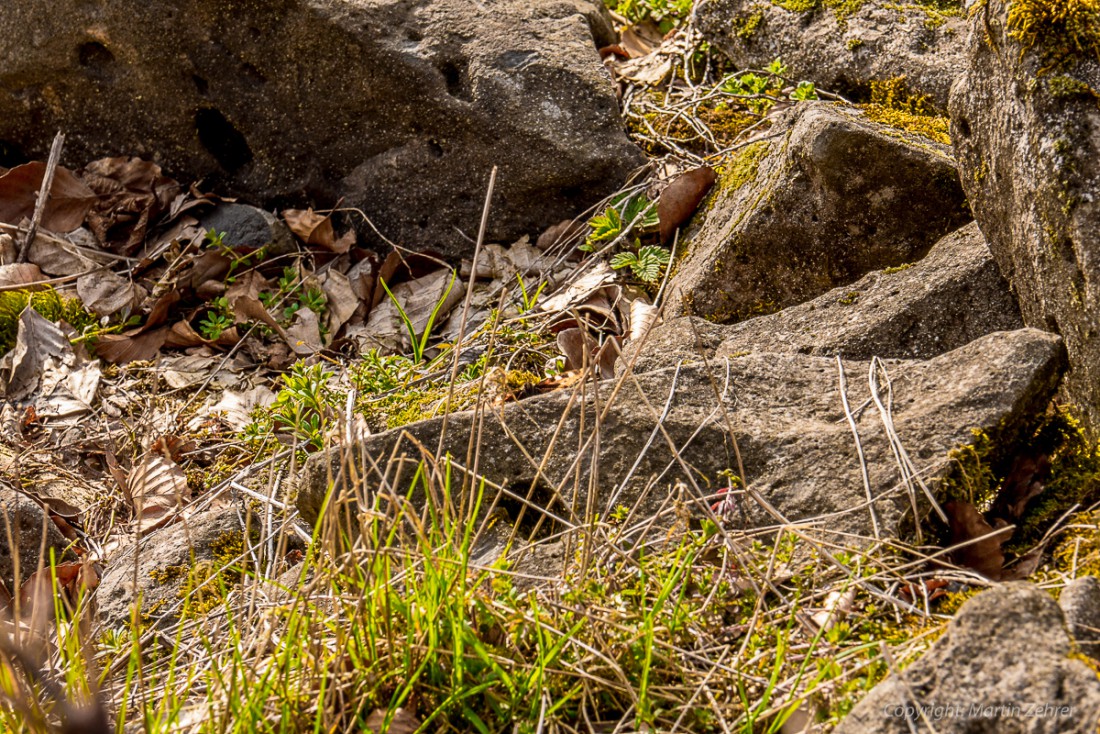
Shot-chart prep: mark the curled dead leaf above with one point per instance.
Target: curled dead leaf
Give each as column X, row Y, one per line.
column 69, row 203
column 681, row 198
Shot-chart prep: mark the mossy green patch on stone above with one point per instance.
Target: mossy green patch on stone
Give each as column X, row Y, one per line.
column 746, row 24
column 936, row 129
column 743, row 167
column 1062, row 86
column 1056, row 28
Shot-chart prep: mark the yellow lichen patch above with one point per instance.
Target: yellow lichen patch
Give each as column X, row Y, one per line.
column 935, row 129
column 743, row 167
column 895, row 94
column 1058, row 28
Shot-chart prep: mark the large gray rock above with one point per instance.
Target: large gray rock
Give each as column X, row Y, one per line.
column 154, row 570
column 797, row 449
column 827, row 197
column 1002, row 667
column 950, row 298
column 1026, row 128
column 845, row 51
column 30, row 527
column 402, row 107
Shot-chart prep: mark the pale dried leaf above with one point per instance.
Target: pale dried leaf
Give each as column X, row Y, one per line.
column 104, row 293
column 158, row 490
column 37, row 341
column 235, row 407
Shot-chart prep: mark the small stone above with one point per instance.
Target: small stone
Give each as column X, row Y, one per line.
column 1002, row 667
column 1080, row 601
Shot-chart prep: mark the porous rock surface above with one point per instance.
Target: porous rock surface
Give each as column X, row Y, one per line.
column 843, row 50
column 824, row 198
column 157, row 569
column 797, row 449
column 951, row 297
column 400, row 107
column 1026, row 130
column 1003, row 666
column 1080, row 601
column 28, row 523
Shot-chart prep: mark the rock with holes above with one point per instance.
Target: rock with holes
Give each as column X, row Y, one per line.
column 949, row 298
column 401, row 108
column 30, row 528
column 827, row 196
column 858, row 48
column 664, row 434
column 1026, row 128
column 1004, row 666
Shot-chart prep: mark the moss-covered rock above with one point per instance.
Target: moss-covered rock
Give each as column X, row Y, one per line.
column 845, row 45
column 826, row 196
column 1025, row 126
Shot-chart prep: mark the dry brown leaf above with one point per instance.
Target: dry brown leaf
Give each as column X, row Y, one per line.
column 158, row 490
column 967, row 524
column 20, row 274
column 139, row 346
column 69, row 203
column 317, row 229
column 37, row 340
column 132, row 194
column 564, row 232
column 681, row 198
column 105, row 293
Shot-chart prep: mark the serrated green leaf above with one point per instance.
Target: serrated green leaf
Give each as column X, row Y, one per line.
column 623, row 260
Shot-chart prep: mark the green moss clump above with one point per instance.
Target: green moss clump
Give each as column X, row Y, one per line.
column 1056, row 28
column 853, row 43
column 936, row 129
column 898, row 269
column 1062, row 86
column 745, row 25
column 895, row 94
column 744, row 166
column 48, row 303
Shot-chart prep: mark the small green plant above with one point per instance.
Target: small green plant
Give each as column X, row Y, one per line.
column 647, row 263
column 666, row 14
column 633, row 211
column 302, row 408
column 529, row 299
column 420, row 342
column 805, row 91
column 215, row 240
column 218, row 319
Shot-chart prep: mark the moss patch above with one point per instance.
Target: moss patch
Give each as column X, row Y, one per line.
column 1056, row 28
column 1062, row 86
column 48, row 303
column 746, row 24
column 936, row 129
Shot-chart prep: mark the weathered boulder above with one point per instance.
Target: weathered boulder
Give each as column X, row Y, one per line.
column 844, row 47
column 826, row 197
column 1002, row 667
column 1026, row 128
column 30, row 526
column 797, row 449
column 1080, row 601
column 167, row 561
column 950, row 298
column 400, row 107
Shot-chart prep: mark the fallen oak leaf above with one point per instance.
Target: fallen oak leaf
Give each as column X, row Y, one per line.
column 158, row 490
column 681, row 198
column 69, row 203
column 317, row 229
